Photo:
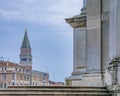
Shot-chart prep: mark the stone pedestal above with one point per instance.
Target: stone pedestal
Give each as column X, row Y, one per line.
column 91, row 79
column 87, row 46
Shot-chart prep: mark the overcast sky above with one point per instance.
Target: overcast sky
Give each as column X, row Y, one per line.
column 51, row 38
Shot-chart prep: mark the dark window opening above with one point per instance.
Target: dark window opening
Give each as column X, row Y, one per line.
column 23, row 59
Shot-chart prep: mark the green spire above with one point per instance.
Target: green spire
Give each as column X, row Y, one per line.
column 25, row 43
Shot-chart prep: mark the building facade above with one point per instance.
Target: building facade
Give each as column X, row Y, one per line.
column 13, row 74
column 96, row 44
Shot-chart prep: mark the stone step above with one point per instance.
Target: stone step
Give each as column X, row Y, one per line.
column 57, row 87
column 53, row 91
column 63, row 90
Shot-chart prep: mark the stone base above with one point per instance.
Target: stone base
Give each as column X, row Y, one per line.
column 114, row 89
column 92, row 79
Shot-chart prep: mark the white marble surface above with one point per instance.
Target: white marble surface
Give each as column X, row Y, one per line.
column 93, row 35
column 79, row 49
column 88, row 80
column 114, row 28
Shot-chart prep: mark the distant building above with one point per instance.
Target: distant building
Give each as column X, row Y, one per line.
column 53, row 83
column 13, row 74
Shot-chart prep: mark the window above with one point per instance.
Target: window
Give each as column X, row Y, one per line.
column 45, row 74
column 30, row 59
column 16, row 69
column 4, row 77
column 25, row 77
column 20, row 77
column 0, row 85
column 23, row 59
column 43, row 77
column 4, row 85
column 28, row 77
column 13, row 76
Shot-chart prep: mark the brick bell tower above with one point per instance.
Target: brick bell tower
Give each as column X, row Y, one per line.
column 25, row 53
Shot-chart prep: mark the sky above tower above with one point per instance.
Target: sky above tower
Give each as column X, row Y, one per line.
column 51, row 38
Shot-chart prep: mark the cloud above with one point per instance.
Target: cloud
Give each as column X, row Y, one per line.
column 39, row 11
column 10, row 14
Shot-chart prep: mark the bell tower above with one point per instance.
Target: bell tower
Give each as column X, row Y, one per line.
column 25, row 53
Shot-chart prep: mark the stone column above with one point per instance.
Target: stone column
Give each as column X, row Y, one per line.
column 93, row 35
column 114, row 28
column 78, row 23
column 87, row 45
column 79, row 50
column 105, row 33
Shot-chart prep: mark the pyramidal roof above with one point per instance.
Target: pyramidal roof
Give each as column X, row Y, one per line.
column 25, row 43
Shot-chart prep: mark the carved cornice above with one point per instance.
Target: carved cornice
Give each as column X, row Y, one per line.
column 77, row 21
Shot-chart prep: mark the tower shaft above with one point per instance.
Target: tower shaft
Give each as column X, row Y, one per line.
column 25, row 53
